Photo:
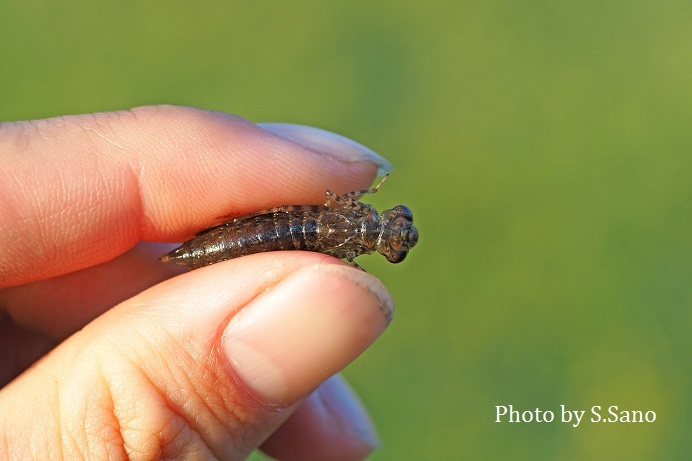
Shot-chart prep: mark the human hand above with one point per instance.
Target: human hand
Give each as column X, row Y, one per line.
column 206, row 365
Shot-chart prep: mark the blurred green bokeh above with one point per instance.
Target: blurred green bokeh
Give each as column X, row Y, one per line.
column 544, row 147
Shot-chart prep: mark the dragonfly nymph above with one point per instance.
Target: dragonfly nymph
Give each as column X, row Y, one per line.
column 343, row 227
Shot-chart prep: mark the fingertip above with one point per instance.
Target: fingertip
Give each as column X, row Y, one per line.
column 331, row 424
column 329, row 143
column 158, row 369
column 306, row 328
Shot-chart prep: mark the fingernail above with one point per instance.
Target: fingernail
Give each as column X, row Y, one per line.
column 345, row 412
column 305, row 329
column 328, row 143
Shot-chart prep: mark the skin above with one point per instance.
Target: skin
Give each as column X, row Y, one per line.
column 136, row 359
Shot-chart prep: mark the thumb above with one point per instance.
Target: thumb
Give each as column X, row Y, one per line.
column 206, row 364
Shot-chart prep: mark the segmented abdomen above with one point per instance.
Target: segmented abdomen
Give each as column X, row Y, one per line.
column 257, row 234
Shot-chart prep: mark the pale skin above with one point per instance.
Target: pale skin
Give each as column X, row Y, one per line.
column 138, row 359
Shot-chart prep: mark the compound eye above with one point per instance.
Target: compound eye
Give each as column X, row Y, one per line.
column 397, row 256
column 403, row 211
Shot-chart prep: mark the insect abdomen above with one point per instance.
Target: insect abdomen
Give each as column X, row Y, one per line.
column 270, row 232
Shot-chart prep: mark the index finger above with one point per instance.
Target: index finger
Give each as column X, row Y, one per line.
column 80, row 190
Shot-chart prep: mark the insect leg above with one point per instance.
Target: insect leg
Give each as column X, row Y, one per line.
column 349, row 258
column 334, row 201
column 344, row 202
column 366, row 191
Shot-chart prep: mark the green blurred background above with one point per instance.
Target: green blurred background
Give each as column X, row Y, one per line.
column 544, row 146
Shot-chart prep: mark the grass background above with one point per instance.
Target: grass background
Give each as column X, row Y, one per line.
column 544, row 146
